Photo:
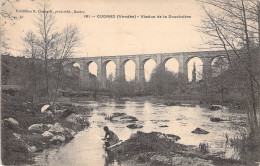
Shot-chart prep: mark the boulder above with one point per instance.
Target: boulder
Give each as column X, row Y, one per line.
column 49, row 125
column 173, row 137
column 215, row 119
column 69, row 135
column 57, row 140
column 128, row 118
column 162, row 136
column 134, row 126
column 124, row 118
column 117, row 114
column 75, row 118
column 31, row 149
column 71, row 132
column 66, row 113
column 167, row 136
column 215, row 107
column 47, row 134
column 164, row 126
column 39, row 127
column 57, row 128
column 114, row 115
column 10, row 123
column 199, row 131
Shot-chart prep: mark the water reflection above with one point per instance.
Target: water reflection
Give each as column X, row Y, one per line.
column 87, row 147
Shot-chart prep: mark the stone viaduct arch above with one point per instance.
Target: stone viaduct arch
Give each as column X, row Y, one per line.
column 139, row 60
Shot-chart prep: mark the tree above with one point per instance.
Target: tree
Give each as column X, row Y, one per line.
column 46, row 39
column 194, row 73
column 51, row 48
column 8, row 17
column 65, row 45
column 233, row 25
column 110, row 82
column 31, row 50
column 219, row 76
column 165, row 82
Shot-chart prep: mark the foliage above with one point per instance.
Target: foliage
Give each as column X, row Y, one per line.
column 165, row 82
column 124, row 88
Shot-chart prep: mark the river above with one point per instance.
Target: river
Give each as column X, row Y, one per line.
column 87, row 147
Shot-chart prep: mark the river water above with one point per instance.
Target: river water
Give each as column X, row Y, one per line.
column 87, row 147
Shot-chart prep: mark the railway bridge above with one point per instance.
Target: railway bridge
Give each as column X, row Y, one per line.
column 139, row 60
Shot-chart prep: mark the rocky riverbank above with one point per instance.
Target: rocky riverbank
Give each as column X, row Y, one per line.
column 25, row 131
column 161, row 149
column 156, row 148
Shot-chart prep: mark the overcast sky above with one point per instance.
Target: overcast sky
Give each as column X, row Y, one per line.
column 108, row 37
column 111, row 37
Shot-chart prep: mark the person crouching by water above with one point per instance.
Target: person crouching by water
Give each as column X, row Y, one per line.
column 110, row 137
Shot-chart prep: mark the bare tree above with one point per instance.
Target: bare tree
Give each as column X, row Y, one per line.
column 65, row 46
column 31, row 50
column 8, row 16
column 46, row 41
column 234, row 26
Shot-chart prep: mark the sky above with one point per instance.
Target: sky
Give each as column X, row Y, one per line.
column 112, row 36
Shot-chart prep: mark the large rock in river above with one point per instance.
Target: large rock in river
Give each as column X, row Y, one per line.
column 121, row 117
column 134, row 126
column 114, row 115
column 117, row 114
column 124, row 119
column 215, row 119
column 164, row 126
column 199, row 131
column 215, row 107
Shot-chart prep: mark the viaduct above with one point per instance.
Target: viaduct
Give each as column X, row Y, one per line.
column 139, row 60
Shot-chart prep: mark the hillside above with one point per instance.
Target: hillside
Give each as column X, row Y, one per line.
column 18, row 71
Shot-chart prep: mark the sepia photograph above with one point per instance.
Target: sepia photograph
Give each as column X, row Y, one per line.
column 130, row 83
